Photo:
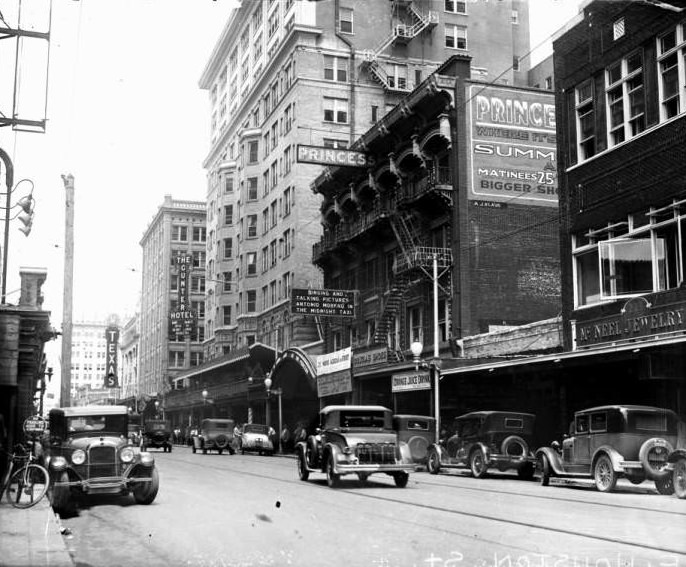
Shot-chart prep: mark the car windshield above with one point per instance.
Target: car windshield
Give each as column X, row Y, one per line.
column 97, row 424
column 366, row 419
column 218, row 425
column 253, row 428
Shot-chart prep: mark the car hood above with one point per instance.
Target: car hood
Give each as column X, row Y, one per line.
column 355, row 438
column 86, row 442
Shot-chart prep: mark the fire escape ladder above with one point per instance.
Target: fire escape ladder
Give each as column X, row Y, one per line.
column 402, row 33
column 391, row 307
column 408, row 238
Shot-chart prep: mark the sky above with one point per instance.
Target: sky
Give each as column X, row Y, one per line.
column 127, row 119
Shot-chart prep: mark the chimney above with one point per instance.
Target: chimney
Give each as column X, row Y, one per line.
column 31, row 282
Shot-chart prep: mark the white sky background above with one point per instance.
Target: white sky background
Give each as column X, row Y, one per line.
column 126, row 117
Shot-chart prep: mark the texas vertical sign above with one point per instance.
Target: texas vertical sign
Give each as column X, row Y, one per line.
column 111, row 346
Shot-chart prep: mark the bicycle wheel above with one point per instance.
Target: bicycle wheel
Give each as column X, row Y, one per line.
column 27, row 486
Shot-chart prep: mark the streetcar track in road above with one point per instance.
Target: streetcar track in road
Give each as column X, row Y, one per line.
column 481, row 516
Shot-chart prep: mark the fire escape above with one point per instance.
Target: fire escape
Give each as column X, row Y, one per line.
column 411, row 261
column 402, row 34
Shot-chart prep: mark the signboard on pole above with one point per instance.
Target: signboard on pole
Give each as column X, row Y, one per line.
column 411, row 381
column 329, row 302
column 111, row 345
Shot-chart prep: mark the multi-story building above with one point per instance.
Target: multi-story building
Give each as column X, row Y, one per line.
column 285, row 74
column 88, row 358
column 621, row 106
column 452, row 232
column 176, row 232
column 129, row 342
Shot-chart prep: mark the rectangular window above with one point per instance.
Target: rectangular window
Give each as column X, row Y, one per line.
column 375, row 113
column 397, row 76
column 252, row 189
column 336, row 110
column 672, row 72
column 176, row 358
column 198, row 284
column 228, row 185
column 179, row 233
column 414, row 318
column 228, row 282
column 198, row 259
column 456, row 6
column 228, row 214
column 455, row 36
column 345, row 20
column 335, row 144
column 199, row 234
column 252, row 226
column 585, row 120
column 335, row 68
column 226, row 315
column 272, row 253
column 625, row 98
column 196, row 358
column 272, row 214
column 228, row 248
column 253, row 151
column 251, row 301
column 287, row 201
column 251, row 263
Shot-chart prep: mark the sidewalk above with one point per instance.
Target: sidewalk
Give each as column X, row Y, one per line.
column 31, row 537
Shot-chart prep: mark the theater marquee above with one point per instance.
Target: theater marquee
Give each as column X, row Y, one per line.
column 330, row 156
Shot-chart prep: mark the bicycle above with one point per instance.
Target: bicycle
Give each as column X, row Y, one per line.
column 26, row 481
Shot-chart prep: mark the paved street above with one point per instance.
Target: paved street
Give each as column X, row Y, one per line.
column 222, row 510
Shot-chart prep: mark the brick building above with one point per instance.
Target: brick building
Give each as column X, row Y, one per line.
column 294, row 73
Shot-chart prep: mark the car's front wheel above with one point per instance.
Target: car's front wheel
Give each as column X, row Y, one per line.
column 145, row 492
column 332, row 478
column 433, row 462
column 401, row 479
column 679, row 478
column 303, row 471
column 604, row 474
column 543, row 469
column 665, row 485
column 60, row 495
column 477, row 462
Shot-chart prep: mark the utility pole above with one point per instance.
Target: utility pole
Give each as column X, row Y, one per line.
column 67, row 301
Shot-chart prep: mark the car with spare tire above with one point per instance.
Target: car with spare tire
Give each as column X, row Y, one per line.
column 255, row 438
column 606, row 443
column 486, row 440
column 215, row 434
column 354, row 439
column 89, row 452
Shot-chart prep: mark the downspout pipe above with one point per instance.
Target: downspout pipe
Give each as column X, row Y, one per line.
column 351, row 47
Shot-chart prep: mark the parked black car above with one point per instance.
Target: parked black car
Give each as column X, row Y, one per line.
column 89, row 453
column 487, row 439
column 677, row 464
column 157, row 433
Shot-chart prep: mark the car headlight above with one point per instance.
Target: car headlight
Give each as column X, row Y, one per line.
column 126, row 455
column 147, row 459
column 78, row 457
column 58, row 462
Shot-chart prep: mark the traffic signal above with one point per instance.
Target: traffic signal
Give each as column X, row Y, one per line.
column 26, row 203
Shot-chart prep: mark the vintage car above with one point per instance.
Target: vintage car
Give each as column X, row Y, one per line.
column 355, row 440
column 418, row 431
column 677, row 465
column 215, row 435
column 255, row 437
column 157, row 433
column 487, row 439
column 89, row 453
column 613, row 441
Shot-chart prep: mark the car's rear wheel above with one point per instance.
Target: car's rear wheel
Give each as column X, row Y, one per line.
column 332, row 479
column 604, row 474
column 543, row 469
column 303, row 471
column 665, row 485
column 401, row 478
column 433, row 462
column 477, row 462
column 653, row 456
column 679, row 478
column 146, row 492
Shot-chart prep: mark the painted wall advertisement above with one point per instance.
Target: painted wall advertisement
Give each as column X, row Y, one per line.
column 513, row 146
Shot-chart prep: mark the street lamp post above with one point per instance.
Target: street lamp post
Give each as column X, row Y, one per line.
column 204, row 403
column 433, row 366
column 277, row 392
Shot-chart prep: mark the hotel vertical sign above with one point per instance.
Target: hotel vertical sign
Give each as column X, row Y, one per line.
column 182, row 319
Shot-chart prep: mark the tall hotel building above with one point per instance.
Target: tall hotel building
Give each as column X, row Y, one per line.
column 177, row 229
column 289, row 73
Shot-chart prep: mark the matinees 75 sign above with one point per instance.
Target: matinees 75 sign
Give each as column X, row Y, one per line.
column 331, row 302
